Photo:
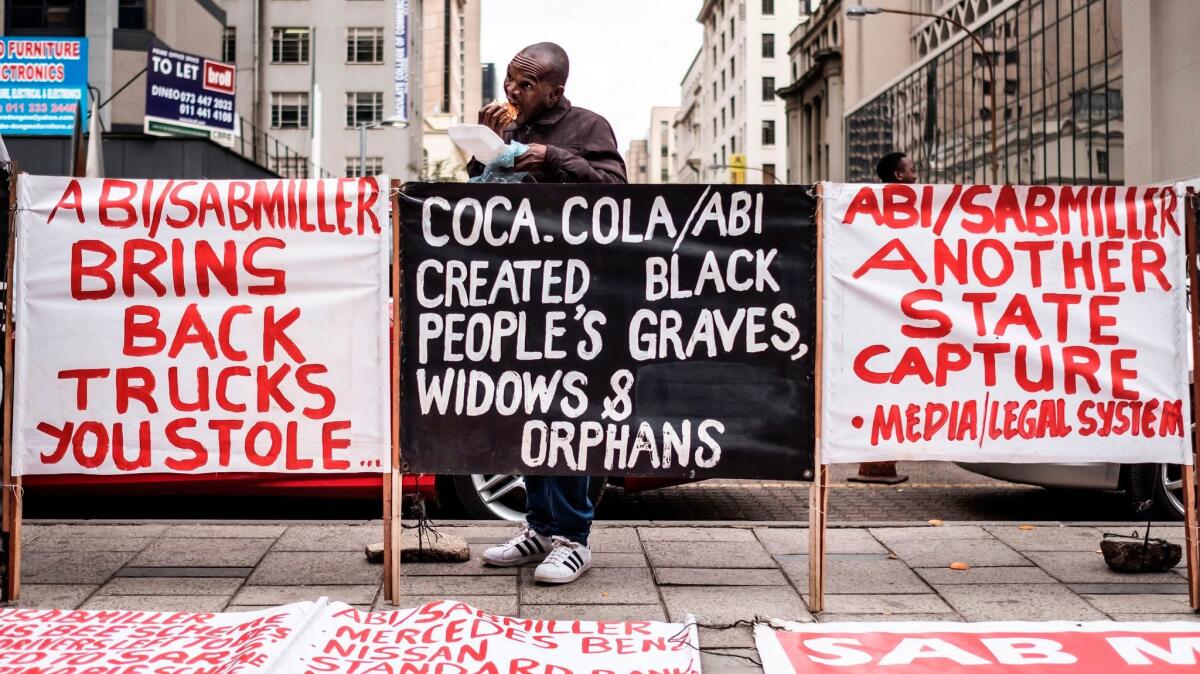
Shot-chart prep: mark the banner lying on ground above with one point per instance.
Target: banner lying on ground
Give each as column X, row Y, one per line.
column 996, row 648
column 182, row 326
column 443, row 636
column 609, row 330
column 1013, row 324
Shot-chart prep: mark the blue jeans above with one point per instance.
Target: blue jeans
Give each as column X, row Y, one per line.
column 559, row 506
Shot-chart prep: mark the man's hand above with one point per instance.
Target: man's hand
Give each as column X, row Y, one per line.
column 533, row 160
column 492, row 116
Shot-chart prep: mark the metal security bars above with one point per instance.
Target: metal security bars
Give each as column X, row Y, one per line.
column 1060, row 114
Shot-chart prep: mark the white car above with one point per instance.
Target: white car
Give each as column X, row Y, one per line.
column 1161, row 483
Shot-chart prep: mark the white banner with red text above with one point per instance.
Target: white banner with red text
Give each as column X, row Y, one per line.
column 447, row 637
column 995, row 648
column 1005, row 324
column 184, row 326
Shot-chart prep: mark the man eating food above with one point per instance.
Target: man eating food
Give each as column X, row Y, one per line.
column 567, row 144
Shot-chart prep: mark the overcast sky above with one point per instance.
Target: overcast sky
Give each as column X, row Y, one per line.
column 626, row 55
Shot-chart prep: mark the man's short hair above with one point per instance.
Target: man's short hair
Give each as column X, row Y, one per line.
column 888, row 165
column 555, row 57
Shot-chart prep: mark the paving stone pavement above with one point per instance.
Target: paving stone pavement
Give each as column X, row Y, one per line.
column 721, row 572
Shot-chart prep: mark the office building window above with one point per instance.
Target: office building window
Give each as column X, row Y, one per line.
column 768, row 49
column 229, row 44
column 732, row 27
column 722, row 119
column 733, row 105
column 768, row 89
column 665, row 175
column 374, row 167
column 364, row 45
column 290, row 165
column 733, row 66
column 363, row 107
column 289, row 45
column 44, row 17
column 769, row 176
column 289, row 110
column 1101, row 161
column 714, row 128
column 768, row 132
column 131, row 14
column 768, row 7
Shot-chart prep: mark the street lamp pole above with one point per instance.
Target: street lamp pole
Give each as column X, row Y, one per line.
column 397, row 121
column 858, row 11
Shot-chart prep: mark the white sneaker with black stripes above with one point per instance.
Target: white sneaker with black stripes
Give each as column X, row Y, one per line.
column 527, row 546
column 566, row 562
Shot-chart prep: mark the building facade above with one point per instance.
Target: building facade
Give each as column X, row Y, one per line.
column 742, row 62
column 660, row 144
column 320, row 76
column 637, row 162
column 686, row 167
column 452, row 82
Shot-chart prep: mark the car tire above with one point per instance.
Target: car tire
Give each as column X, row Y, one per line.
column 1159, row 483
column 502, row 497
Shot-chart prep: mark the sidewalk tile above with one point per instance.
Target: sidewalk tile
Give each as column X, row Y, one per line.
column 224, row 531
column 275, row 595
column 885, row 604
column 328, row 538
column 317, row 568
column 172, row 586
column 856, row 576
column 183, row 603
column 1140, row 603
column 619, row 559
column 1128, row 588
column 598, row 586
column 781, row 541
column 730, row 661
column 65, row 541
column 1088, row 567
column 1173, row 533
column 889, row 535
column 1048, row 538
column 1018, row 602
column 614, row 539
column 53, row 596
column 100, row 530
column 92, row 568
column 669, row 576
column 709, row 555
column 694, row 534
column 1155, row 617
column 826, row 617
column 721, row 606
column 501, row 605
column 474, row 586
column 595, row 612
column 985, row 575
column 973, row 551
column 491, row 535
column 203, row 552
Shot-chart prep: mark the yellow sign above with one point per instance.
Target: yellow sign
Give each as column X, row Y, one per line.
column 737, row 169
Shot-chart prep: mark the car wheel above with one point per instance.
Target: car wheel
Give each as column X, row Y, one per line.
column 502, row 497
column 1160, row 483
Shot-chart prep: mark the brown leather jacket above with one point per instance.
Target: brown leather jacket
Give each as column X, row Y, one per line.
column 580, row 146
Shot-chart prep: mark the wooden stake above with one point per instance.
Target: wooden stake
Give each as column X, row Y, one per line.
column 12, row 501
column 394, row 487
column 1190, row 493
column 818, row 493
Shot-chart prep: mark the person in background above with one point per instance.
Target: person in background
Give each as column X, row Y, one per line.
column 567, row 144
column 894, row 167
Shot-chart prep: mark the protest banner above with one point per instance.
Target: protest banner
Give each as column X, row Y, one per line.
column 331, row 637
column 997, row 648
column 608, row 330
column 1010, row 324
column 126, row 641
column 197, row 327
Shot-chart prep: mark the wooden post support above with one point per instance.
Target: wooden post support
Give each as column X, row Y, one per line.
column 818, row 493
column 12, row 501
column 393, row 482
column 1190, row 493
